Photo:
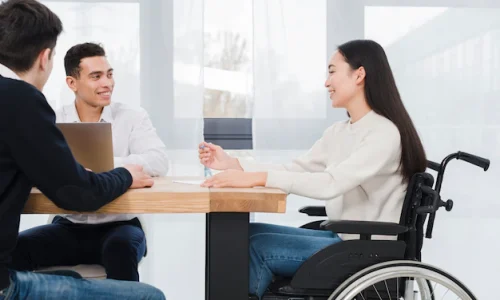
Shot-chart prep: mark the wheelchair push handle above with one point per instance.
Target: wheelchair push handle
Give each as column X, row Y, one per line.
column 475, row 160
column 433, row 165
column 483, row 163
column 470, row 158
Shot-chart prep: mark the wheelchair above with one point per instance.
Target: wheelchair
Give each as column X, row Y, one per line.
column 366, row 269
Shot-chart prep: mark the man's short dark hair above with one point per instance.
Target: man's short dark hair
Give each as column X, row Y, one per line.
column 27, row 27
column 78, row 52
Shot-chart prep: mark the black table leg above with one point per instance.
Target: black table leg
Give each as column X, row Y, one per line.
column 227, row 256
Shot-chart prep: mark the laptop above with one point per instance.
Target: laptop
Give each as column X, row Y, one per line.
column 91, row 144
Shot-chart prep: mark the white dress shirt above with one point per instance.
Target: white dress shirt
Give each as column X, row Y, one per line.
column 134, row 142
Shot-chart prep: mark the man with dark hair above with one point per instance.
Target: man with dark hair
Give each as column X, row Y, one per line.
column 33, row 152
column 116, row 241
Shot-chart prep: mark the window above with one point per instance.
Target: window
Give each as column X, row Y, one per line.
column 290, row 60
column 264, row 65
column 228, row 59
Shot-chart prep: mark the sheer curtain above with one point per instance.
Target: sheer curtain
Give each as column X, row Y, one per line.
column 291, row 107
column 172, row 91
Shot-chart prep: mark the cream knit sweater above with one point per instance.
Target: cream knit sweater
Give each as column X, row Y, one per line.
column 353, row 165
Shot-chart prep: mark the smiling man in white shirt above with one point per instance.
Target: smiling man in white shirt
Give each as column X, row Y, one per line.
column 115, row 241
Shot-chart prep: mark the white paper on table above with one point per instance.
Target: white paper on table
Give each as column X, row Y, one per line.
column 194, row 182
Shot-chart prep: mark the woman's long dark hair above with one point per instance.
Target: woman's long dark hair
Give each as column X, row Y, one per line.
column 383, row 98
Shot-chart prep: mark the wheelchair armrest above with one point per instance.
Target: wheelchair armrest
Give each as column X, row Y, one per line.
column 313, row 211
column 364, row 228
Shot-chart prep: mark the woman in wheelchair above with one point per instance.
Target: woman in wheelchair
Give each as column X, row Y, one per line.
column 361, row 167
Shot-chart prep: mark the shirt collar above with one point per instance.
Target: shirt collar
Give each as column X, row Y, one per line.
column 8, row 73
column 106, row 115
column 72, row 114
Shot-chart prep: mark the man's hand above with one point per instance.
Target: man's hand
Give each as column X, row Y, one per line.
column 139, row 178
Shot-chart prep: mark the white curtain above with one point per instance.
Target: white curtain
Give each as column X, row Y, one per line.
column 291, row 107
column 172, row 89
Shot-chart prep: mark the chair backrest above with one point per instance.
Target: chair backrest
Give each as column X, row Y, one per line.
column 415, row 198
column 230, row 134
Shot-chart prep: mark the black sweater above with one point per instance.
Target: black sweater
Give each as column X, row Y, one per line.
column 33, row 152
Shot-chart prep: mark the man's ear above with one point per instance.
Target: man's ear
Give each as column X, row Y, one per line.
column 71, row 82
column 360, row 75
column 45, row 57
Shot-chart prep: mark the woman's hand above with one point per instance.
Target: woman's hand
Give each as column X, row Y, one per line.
column 214, row 157
column 236, row 179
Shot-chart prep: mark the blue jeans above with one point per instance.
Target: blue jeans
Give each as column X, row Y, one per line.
column 28, row 285
column 281, row 250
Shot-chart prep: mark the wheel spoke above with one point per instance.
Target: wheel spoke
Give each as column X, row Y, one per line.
column 377, row 292
column 387, row 288
column 397, row 285
column 445, row 293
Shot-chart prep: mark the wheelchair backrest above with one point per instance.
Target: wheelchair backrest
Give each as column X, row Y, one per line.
column 415, row 198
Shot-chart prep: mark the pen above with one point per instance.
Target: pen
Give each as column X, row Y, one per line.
column 208, row 172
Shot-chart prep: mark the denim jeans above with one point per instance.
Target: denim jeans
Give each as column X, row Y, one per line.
column 281, row 250
column 28, row 285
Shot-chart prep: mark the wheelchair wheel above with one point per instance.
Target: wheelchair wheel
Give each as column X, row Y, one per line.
column 401, row 280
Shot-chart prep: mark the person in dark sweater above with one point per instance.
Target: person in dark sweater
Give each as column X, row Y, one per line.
column 33, row 152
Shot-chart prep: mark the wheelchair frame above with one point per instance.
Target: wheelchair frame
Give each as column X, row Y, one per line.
column 315, row 279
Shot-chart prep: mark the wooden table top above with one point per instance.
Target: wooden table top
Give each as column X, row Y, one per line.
column 167, row 196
